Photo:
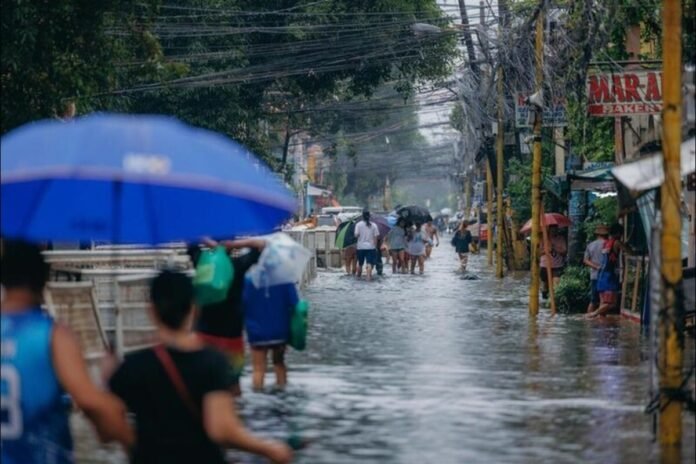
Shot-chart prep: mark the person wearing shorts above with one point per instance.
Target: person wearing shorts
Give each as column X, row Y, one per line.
column 267, row 316
column 461, row 242
column 397, row 243
column 593, row 260
column 350, row 258
column 221, row 325
column 558, row 252
column 367, row 234
column 608, row 282
column 416, row 249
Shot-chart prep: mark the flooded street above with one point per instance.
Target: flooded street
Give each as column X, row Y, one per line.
column 437, row 369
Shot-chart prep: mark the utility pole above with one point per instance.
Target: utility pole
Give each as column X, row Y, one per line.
column 467, row 196
column 489, row 211
column 671, row 341
column 499, row 146
column 536, row 168
column 467, row 38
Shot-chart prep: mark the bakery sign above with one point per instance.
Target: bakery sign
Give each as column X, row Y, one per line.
column 624, row 93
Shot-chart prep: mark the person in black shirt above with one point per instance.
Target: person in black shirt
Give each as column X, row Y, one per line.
column 221, row 325
column 179, row 391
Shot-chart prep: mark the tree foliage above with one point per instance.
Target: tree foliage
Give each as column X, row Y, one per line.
column 61, row 51
column 255, row 71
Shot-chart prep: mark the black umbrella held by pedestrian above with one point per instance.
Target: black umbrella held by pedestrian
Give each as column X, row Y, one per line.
column 414, row 214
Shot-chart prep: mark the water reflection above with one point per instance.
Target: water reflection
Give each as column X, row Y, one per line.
column 438, row 369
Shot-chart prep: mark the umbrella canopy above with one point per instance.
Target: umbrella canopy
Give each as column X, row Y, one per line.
column 552, row 219
column 345, row 235
column 133, row 179
column 414, row 214
column 282, row 261
column 382, row 224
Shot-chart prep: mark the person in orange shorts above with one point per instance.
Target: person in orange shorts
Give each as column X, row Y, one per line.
column 221, row 325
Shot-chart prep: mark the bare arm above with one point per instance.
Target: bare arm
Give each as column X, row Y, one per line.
column 106, row 411
column 589, row 263
column 257, row 243
column 224, row 427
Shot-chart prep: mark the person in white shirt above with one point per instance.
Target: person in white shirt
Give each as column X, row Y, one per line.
column 367, row 234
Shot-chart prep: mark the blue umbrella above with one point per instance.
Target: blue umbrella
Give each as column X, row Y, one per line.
column 133, row 179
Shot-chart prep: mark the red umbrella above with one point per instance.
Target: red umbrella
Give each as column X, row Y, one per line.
column 552, row 219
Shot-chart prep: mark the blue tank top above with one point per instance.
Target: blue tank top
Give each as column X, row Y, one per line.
column 34, row 416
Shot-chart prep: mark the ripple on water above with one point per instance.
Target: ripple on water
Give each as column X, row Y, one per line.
column 436, row 369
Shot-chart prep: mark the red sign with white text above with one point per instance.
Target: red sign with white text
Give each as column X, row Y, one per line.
column 625, row 93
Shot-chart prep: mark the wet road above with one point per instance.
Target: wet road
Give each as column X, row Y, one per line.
column 436, row 369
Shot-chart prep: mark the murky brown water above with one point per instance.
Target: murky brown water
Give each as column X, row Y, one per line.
column 436, row 369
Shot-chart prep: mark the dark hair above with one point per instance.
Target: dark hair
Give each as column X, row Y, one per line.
column 366, row 217
column 616, row 229
column 23, row 266
column 172, row 296
column 194, row 252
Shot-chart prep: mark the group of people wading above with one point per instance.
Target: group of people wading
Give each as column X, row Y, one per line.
column 407, row 245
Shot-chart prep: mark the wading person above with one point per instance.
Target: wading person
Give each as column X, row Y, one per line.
column 267, row 314
column 416, row 249
column 593, row 260
column 350, row 258
column 608, row 282
column 559, row 249
column 397, row 243
column 221, row 325
column 367, row 234
column 462, row 241
column 179, row 390
column 431, row 236
column 41, row 361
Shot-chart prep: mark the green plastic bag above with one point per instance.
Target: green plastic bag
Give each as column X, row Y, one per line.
column 214, row 274
column 298, row 326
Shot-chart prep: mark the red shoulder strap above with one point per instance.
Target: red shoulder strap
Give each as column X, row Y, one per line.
column 175, row 377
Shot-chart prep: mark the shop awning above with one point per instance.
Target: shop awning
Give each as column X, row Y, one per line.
column 315, row 191
column 596, row 180
column 646, row 173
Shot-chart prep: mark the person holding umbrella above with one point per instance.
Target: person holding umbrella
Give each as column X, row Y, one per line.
column 559, row 249
column 367, row 233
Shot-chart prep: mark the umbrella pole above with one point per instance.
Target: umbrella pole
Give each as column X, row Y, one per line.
column 547, row 252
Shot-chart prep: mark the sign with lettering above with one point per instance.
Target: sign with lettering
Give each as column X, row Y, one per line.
column 624, row 93
column 553, row 116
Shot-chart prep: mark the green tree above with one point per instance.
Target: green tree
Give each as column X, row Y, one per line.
column 55, row 52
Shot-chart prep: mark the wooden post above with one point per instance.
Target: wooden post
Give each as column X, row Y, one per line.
column 327, row 251
column 671, row 342
column 489, row 213
column 536, row 171
column 499, row 147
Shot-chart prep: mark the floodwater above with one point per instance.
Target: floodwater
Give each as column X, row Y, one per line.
column 437, row 369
